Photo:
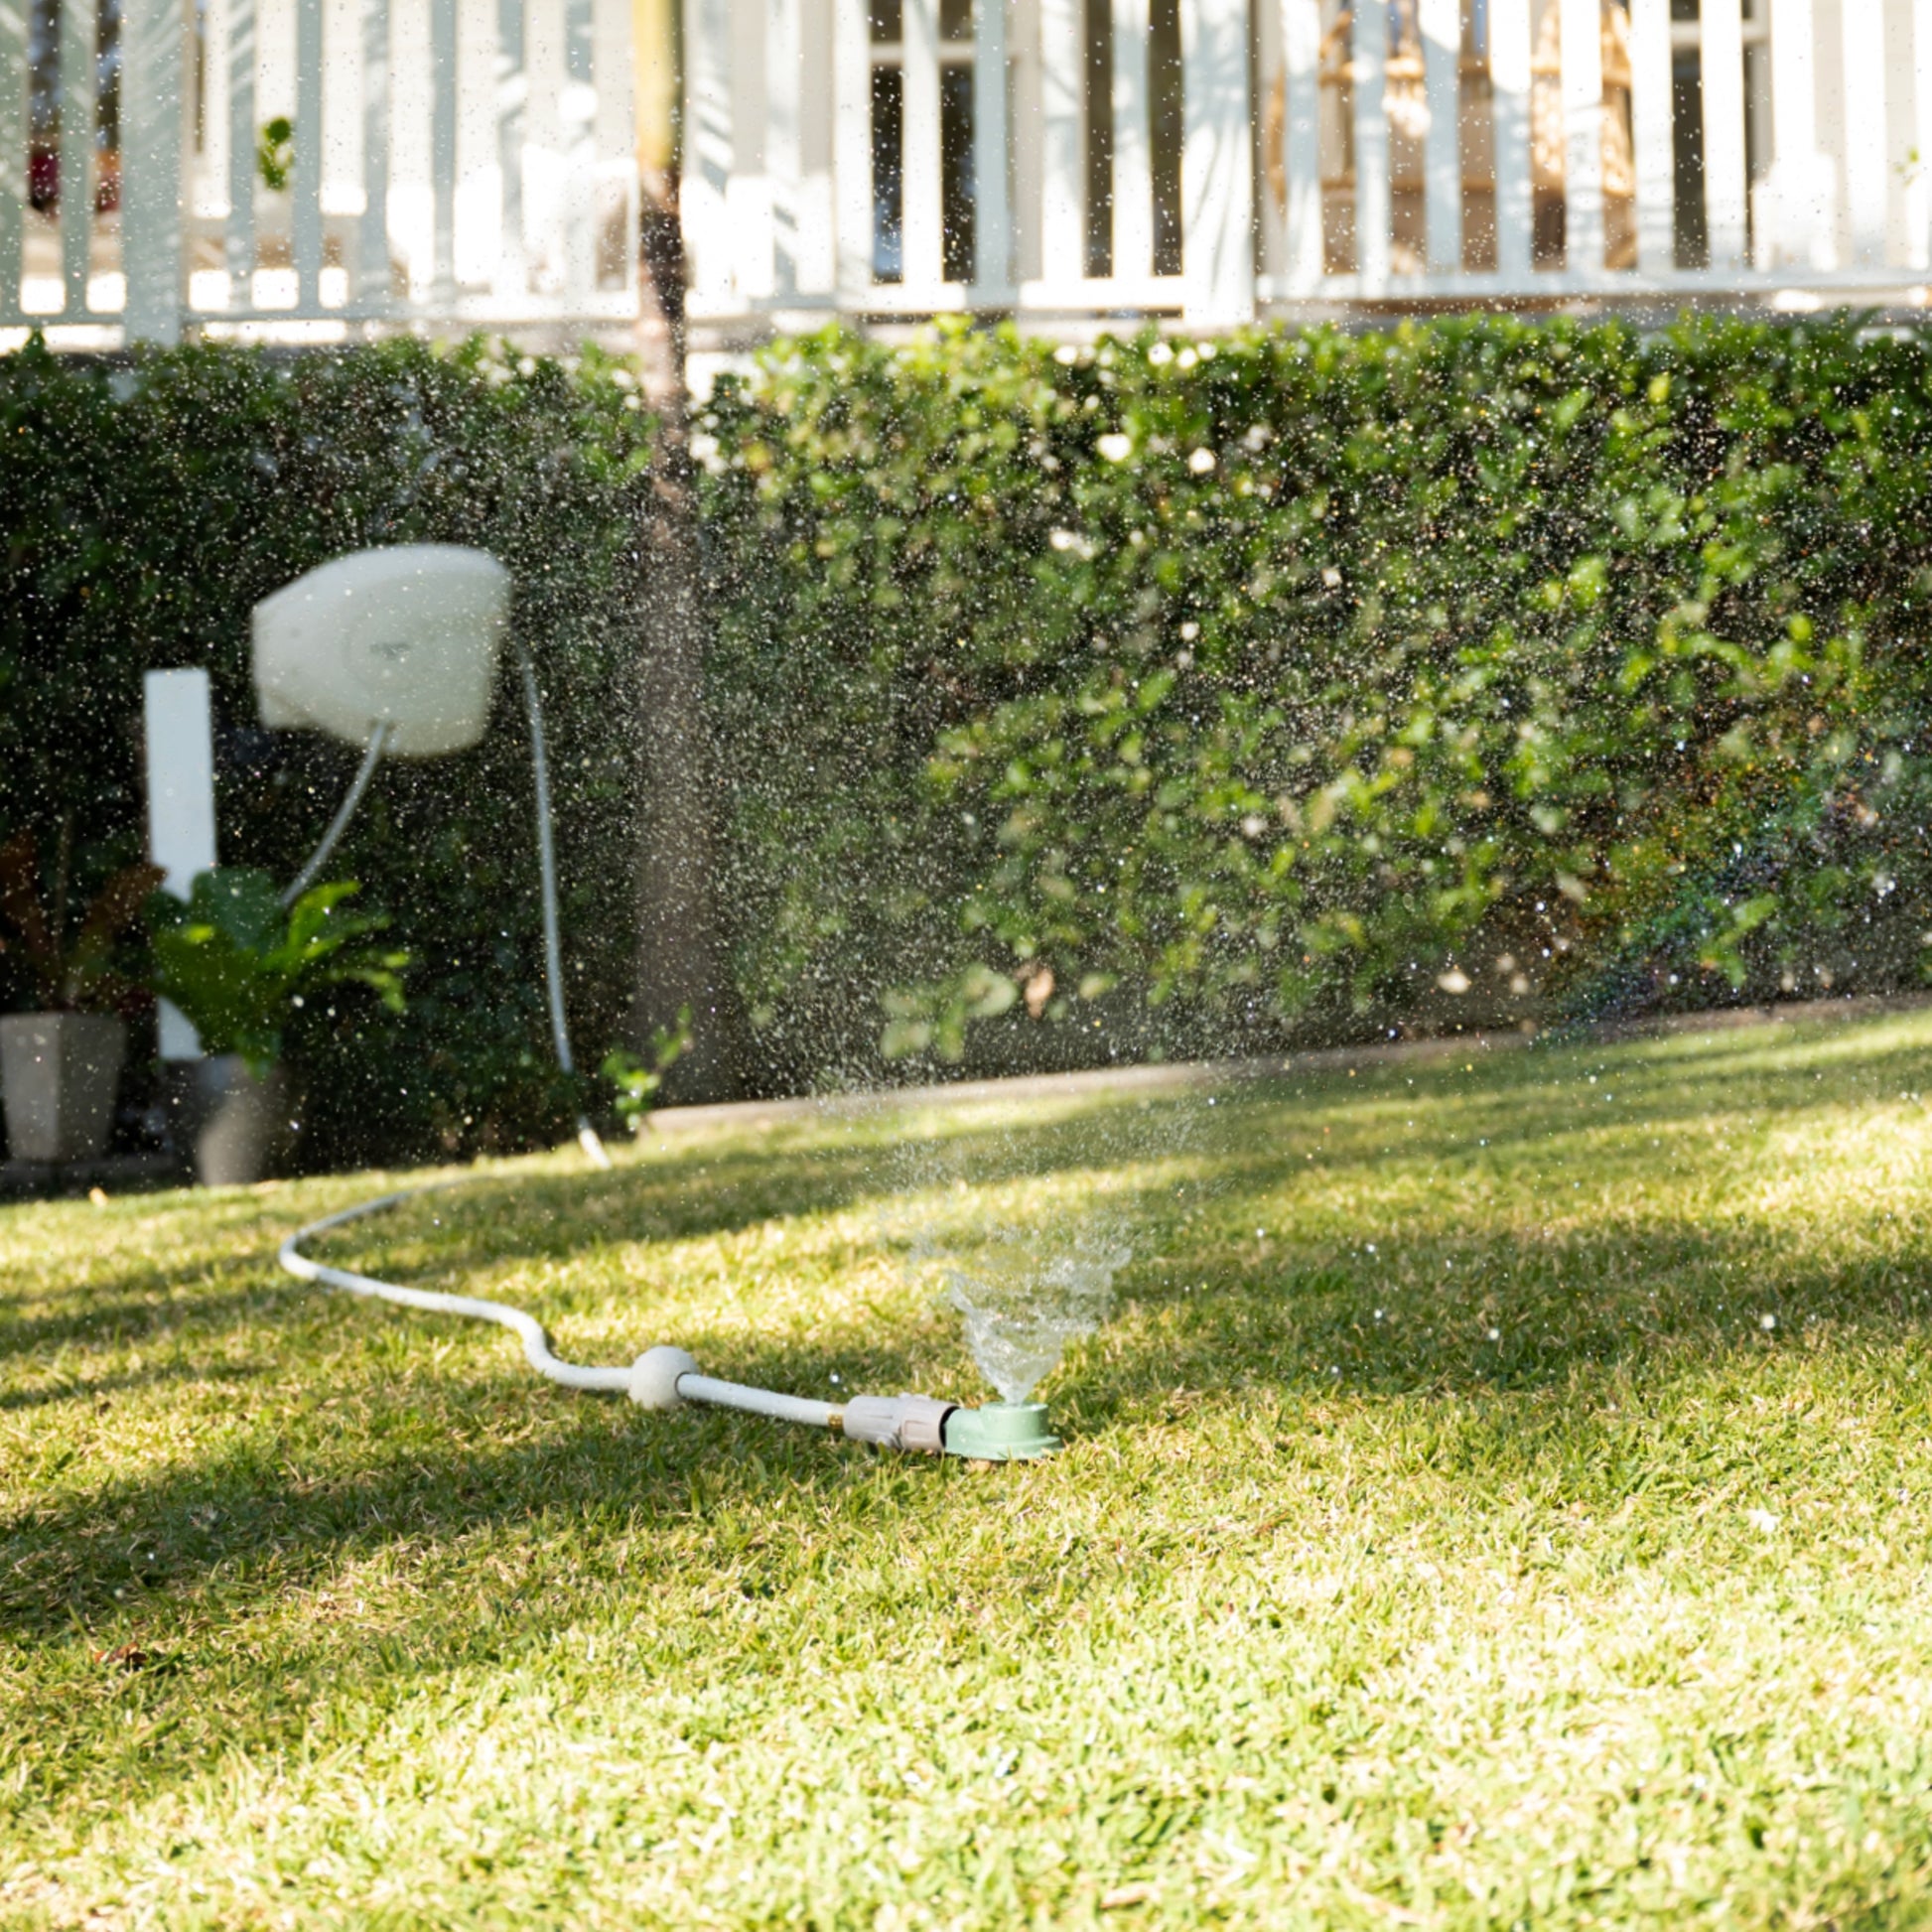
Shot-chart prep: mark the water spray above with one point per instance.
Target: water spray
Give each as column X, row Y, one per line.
column 394, row 651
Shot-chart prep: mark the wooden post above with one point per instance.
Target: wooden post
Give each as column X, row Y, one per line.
column 1218, row 185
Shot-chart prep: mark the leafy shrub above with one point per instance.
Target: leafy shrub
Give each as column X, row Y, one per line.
column 1298, row 683
column 240, row 965
column 146, row 510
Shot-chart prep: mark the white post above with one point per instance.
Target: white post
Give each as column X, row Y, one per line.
column 1582, row 136
column 993, row 264
column 1863, row 24
column 78, row 28
column 13, row 147
column 1441, row 57
column 1133, row 143
column 577, row 113
column 153, row 60
column 1509, row 77
column 305, row 176
column 1650, row 115
column 709, row 137
column 1723, row 74
column 1063, row 144
column 179, row 740
column 924, row 256
column 1372, row 207
column 1302, row 142
column 1218, row 183
column 852, row 149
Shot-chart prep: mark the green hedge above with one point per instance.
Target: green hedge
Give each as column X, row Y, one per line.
column 1275, row 686
column 147, row 508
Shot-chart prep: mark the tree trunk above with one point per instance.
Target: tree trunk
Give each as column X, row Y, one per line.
column 682, row 955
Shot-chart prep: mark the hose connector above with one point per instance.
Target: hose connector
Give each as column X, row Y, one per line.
column 903, row 1422
column 654, row 1374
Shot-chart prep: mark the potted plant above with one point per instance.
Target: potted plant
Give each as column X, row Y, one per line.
column 237, row 962
column 60, row 1063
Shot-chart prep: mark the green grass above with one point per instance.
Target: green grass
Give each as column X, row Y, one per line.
column 1445, row 1536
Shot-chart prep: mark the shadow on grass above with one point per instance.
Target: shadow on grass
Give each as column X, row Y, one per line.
column 1519, row 1321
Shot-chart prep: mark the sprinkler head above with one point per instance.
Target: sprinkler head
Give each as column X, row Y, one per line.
column 1002, row 1431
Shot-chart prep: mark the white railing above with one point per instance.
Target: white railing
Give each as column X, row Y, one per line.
column 1086, row 158
column 292, row 168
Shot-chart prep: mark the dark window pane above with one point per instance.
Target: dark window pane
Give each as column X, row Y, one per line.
column 886, row 20
column 1164, row 131
column 957, row 169
column 887, row 176
column 956, row 20
column 1099, row 26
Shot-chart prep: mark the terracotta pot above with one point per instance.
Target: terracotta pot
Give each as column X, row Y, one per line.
column 233, row 1126
column 59, row 1072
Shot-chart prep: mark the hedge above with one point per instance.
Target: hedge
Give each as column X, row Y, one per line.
column 147, row 507
column 1145, row 698
column 1152, row 697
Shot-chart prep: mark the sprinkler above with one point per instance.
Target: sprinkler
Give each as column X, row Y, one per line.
column 394, row 651
column 669, row 1378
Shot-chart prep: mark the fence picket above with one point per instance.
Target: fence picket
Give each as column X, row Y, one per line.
column 1063, row 145
column 78, row 112
column 512, row 103
column 1370, row 69
column 925, row 243
column 1721, row 73
column 784, row 144
column 13, row 149
column 1582, row 136
column 1216, row 163
column 1302, row 142
column 239, row 237
column 1863, row 28
column 1441, row 50
column 305, row 175
column 1918, row 203
column 1650, row 119
column 152, row 47
column 1509, row 79
column 1133, row 143
column 993, row 264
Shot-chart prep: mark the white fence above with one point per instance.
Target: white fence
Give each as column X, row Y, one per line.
column 293, row 168
column 1213, row 158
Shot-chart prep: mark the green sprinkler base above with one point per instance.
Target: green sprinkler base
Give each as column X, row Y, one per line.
column 1002, row 1431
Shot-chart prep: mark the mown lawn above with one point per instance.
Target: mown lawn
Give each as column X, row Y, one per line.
column 1503, row 1497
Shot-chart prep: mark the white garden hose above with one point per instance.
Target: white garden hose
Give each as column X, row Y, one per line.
column 660, row 1378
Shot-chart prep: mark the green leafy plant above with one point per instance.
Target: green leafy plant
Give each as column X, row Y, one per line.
column 236, row 962
column 275, row 153
column 638, row 1084
column 73, row 966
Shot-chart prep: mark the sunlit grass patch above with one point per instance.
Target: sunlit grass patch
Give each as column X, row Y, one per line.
column 1501, row 1495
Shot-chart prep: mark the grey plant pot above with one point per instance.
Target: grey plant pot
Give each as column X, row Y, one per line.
column 59, row 1072
column 233, row 1126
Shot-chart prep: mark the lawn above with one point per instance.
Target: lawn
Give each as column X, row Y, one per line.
column 1502, row 1497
